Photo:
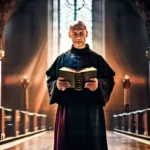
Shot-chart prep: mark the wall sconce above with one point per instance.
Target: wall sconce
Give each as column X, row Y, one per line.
column 147, row 53
column 126, row 85
column 26, row 83
column 2, row 53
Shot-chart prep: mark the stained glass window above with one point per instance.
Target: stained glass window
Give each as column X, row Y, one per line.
column 69, row 11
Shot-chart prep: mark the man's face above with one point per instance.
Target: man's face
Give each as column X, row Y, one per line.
column 78, row 34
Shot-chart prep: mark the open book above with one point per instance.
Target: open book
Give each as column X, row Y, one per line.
column 76, row 78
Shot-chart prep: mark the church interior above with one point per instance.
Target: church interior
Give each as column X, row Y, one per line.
column 34, row 32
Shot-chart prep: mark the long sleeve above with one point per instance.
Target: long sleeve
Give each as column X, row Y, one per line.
column 105, row 82
column 56, row 95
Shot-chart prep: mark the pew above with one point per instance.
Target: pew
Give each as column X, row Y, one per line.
column 41, row 121
column 136, row 123
column 146, row 119
column 12, row 122
column 24, row 122
column 131, row 123
column 117, row 122
column 9, row 123
column 15, row 122
column 32, row 122
column 139, row 121
column 124, row 122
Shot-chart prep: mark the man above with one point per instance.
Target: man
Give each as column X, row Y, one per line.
column 80, row 123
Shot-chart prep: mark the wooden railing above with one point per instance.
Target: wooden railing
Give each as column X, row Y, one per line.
column 137, row 122
column 16, row 122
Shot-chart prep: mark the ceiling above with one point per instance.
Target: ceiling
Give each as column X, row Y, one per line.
column 143, row 7
column 7, row 7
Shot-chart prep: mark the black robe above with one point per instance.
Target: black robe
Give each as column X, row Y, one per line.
column 80, row 123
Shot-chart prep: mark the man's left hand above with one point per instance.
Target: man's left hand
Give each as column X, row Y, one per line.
column 93, row 85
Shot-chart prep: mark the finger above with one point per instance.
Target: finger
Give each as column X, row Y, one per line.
column 86, row 85
column 67, row 85
column 63, row 88
column 93, row 79
column 90, row 85
column 63, row 82
column 60, row 86
column 60, row 78
column 93, row 84
column 64, row 85
column 91, row 89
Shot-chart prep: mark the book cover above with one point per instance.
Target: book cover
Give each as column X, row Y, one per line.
column 77, row 79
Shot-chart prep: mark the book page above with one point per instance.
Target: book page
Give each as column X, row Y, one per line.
column 67, row 69
column 76, row 71
column 88, row 69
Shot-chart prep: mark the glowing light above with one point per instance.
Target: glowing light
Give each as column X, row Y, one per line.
column 25, row 76
column 2, row 53
column 126, row 77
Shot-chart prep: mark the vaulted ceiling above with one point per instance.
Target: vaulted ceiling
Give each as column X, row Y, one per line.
column 7, row 7
column 143, row 7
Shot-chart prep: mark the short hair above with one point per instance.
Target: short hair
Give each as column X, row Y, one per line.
column 77, row 22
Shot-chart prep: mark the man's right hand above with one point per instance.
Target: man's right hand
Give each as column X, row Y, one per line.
column 62, row 85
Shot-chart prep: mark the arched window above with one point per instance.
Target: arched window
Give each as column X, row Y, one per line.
column 69, row 11
column 63, row 13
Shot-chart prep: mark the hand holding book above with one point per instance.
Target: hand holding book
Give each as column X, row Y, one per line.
column 92, row 85
column 62, row 84
column 80, row 79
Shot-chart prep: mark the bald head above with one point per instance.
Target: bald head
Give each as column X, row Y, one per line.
column 78, row 34
column 77, row 25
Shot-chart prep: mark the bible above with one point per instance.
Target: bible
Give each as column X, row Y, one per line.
column 77, row 79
